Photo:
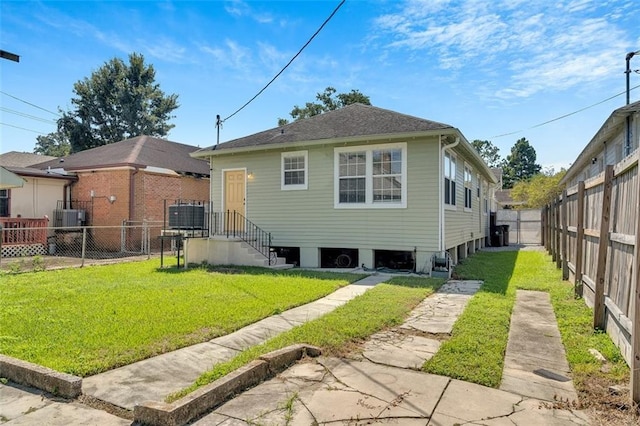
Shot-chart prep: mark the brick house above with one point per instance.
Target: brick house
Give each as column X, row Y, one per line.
column 132, row 180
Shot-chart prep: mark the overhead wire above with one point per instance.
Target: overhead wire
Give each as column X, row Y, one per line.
column 219, row 122
column 29, row 103
column 25, row 115
column 565, row 115
column 22, row 128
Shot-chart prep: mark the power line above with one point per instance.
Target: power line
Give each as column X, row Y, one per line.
column 29, row 103
column 22, row 128
column 564, row 116
column 22, row 114
column 219, row 122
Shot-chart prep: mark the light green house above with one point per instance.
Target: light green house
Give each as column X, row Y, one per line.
column 359, row 186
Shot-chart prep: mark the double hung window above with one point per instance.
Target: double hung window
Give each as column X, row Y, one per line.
column 371, row 176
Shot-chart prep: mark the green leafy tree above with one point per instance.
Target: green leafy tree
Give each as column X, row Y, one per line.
column 328, row 101
column 540, row 190
column 118, row 101
column 54, row 144
column 520, row 164
column 488, row 151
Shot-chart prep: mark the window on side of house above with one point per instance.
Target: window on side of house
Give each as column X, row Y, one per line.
column 4, row 203
column 294, row 170
column 485, row 190
column 371, row 177
column 467, row 187
column 449, row 179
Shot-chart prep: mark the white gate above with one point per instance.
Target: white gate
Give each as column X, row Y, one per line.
column 525, row 226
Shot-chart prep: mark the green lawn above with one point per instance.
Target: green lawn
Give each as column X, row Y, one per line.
column 476, row 349
column 384, row 306
column 88, row 320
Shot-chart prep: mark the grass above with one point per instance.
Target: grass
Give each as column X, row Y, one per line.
column 85, row 321
column 384, row 306
column 476, row 349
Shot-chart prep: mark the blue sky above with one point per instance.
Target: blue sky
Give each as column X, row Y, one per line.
column 487, row 67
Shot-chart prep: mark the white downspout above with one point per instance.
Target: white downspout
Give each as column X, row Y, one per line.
column 442, row 221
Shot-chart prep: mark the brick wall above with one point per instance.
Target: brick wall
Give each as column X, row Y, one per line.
column 150, row 190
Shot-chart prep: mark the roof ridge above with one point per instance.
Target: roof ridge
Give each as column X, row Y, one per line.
column 135, row 152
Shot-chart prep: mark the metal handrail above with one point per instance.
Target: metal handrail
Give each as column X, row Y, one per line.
column 234, row 224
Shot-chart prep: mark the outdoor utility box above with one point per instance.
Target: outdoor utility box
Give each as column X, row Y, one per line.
column 186, row 216
column 69, row 218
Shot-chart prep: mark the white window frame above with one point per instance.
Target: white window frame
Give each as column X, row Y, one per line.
column 467, row 181
column 485, row 197
column 453, row 189
column 369, row 202
column 294, row 187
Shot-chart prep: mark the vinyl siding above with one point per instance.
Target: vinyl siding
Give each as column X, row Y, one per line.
column 307, row 218
column 460, row 224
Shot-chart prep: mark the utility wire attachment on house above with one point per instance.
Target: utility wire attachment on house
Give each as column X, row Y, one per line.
column 289, row 63
column 218, row 126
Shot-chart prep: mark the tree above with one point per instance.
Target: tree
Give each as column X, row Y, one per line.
column 54, row 144
column 520, row 164
column 540, row 190
column 488, row 151
column 329, row 101
column 117, row 102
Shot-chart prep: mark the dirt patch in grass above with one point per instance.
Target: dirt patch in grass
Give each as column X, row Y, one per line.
column 606, row 406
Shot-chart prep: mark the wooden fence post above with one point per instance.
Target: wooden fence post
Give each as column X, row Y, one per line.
column 579, row 239
column 635, row 323
column 549, row 230
column 565, row 236
column 542, row 242
column 558, row 234
column 603, row 244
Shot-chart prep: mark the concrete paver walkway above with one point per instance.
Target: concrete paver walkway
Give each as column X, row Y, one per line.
column 535, row 364
column 23, row 406
column 155, row 378
column 389, row 391
column 415, row 341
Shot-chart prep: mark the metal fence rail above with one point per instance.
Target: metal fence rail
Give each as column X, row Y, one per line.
column 78, row 244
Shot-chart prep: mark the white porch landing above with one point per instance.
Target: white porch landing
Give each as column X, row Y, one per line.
column 220, row 250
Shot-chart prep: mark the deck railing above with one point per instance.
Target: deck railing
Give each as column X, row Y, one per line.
column 24, row 231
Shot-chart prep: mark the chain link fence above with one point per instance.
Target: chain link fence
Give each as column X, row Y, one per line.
column 25, row 248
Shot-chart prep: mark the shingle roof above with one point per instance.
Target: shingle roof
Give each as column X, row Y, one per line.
column 22, row 159
column 351, row 121
column 608, row 129
column 139, row 151
column 31, row 171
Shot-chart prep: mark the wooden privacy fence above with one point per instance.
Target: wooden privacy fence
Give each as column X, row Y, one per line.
column 592, row 233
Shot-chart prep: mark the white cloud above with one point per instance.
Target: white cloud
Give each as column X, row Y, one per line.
column 239, row 9
column 230, row 55
column 526, row 47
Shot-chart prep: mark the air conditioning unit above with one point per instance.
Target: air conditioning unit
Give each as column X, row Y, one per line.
column 186, row 216
column 69, row 218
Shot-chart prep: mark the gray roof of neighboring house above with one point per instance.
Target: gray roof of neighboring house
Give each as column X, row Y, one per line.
column 22, row 159
column 354, row 120
column 610, row 127
column 140, row 151
column 503, row 197
column 33, row 172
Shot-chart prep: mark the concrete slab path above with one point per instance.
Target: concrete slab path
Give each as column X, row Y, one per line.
column 327, row 391
column 155, row 378
column 419, row 337
column 390, row 391
column 23, row 406
column 535, row 364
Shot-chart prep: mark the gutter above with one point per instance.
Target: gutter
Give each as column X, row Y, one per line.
column 132, row 191
column 442, row 243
